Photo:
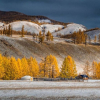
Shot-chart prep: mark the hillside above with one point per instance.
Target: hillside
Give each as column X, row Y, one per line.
column 55, row 29
column 28, row 26
column 51, row 28
column 31, row 27
column 94, row 32
column 70, row 28
column 20, row 47
column 26, row 47
column 10, row 16
column 35, row 24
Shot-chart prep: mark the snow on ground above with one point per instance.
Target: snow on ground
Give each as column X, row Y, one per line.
column 44, row 21
column 1, row 24
column 93, row 33
column 48, row 84
column 50, row 27
column 70, row 29
column 46, row 89
column 28, row 26
column 32, row 27
column 51, row 93
column 35, row 28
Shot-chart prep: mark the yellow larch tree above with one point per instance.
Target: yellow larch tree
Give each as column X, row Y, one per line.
column 98, row 71
column 20, row 69
column 52, row 66
column 1, row 67
column 68, row 68
column 33, row 67
column 48, row 67
column 43, row 68
column 79, row 37
column 7, row 68
column 11, row 69
column 25, row 67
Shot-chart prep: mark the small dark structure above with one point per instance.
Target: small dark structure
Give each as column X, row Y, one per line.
column 84, row 77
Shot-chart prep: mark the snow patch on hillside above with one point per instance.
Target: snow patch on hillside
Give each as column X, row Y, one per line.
column 70, row 29
column 1, row 24
column 93, row 33
column 28, row 26
column 35, row 28
column 50, row 27
column 44, row 21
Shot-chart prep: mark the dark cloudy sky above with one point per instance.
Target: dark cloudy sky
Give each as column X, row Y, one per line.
column 86, row 12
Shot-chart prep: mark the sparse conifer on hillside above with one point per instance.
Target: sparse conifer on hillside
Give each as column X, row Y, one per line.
column 95, row 39
column 22, row 31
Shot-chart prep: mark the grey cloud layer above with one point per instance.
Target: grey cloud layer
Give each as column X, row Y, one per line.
column 85, row 12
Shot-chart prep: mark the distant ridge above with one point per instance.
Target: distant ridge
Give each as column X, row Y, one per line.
column 10, row 16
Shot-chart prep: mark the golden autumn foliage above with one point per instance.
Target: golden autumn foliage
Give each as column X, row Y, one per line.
column 19, row 64
column 98, row 71
column 49, row 67
column 12, row 69
column 33, row 67
column 41, row 37
column 94, row 64
column 1, row 67
column 95, row 39
column 93, row 70
column 79, row 37
column 49, row 36
column 22, row 31
column 68, row 68
column 25, row 66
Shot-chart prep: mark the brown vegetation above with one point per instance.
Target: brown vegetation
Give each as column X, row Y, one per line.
column 14, row 16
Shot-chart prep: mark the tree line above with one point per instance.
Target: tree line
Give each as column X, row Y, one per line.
column 80, row 37
column 12, row 69
column 92, row 70
column 8, row 31
column 40, row 38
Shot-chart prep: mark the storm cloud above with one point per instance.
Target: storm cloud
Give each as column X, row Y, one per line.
column 84, row 12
